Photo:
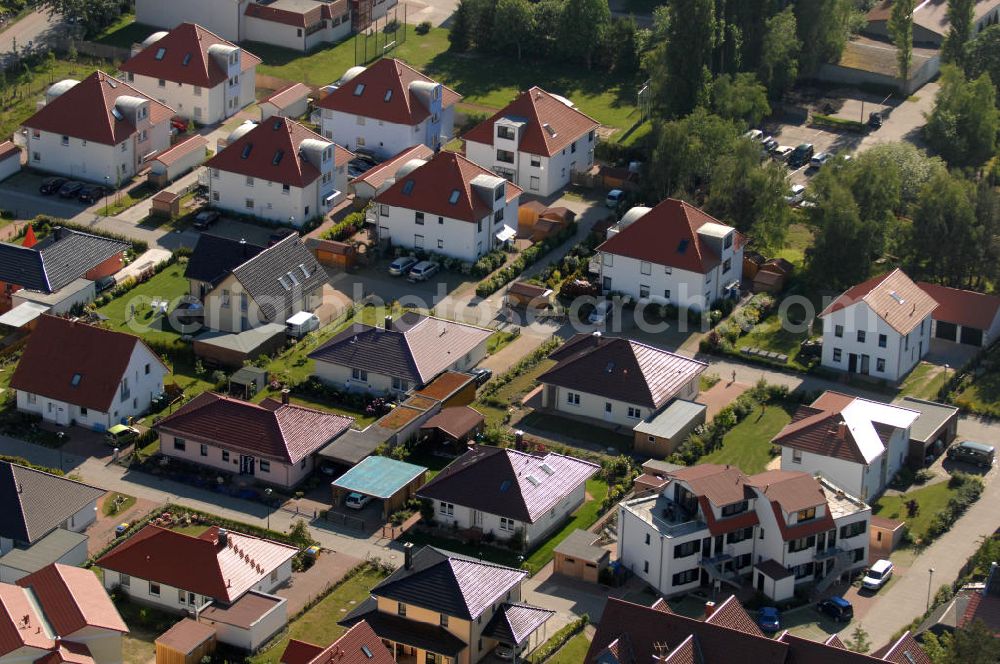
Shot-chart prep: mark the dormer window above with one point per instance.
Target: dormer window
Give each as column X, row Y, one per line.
column 160, row 52
column 805, row 515
column 728, row 242
column 735, row 508
column 505, row 132
column 498, row 194
column 359, row 89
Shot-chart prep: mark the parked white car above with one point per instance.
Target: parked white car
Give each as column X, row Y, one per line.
column 877, row 575
column 796, row 195
column 601, row 313
column 356, row 500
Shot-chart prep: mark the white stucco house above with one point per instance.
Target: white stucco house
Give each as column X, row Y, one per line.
column 99, row 129
column 509, row 493
column 387, row 107
column 879, row 328
column 278, row 170
column 448, row 206
column 197, row 73
column 537, row 142
column 75, row 373
column 713, row 524
column 856, row 443
column 671, row 254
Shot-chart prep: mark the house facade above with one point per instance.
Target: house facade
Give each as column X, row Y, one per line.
column 857, row 444
column 879, row 328
column 537, row 142
column 100, row 130
column 671, row 254
column 74, row 373
column 279, row 171
column 200, row 75
column 387, row 107
column 709, row 523
column 274, row 442
column 507, row 493
column 447, row 206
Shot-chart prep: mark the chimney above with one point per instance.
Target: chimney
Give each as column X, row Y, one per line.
column 284, row 396
column 519, row 440
column 388, row 323
column 841, row 430
column 709, row 609
column 408, row 555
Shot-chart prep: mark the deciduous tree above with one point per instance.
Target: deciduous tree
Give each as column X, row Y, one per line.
column 514, row 19
column 962, row 127
column 901, row 30
column 842, row 253
column 779, row 62
column 740, row 97
column 681, row 72
column 581, row 28
column 960, row 27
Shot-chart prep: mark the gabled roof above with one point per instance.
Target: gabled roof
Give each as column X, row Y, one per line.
column 963, row 307
column 844, row 427
column 514, row 623
column 73, row 598
column 189, row 145
column 455, row 421
column 36, row 503
column 376, row 176
column 287, row 433
column 668, row 235
column 75, row 362
column 9, row 149
column 288, row 95
column 359, row 645
column 791, row 490
column 286, row 269
column 893, row 297
column 448, row 583
column 223, row 568
column 417, row 348
column 507, row 482
column 621, row 369
column 720, row 485
column 550, row 123
column 85, row 111
column 731, row 614
column 272, row 151
column 295, row 14
column 182, row 56
column 59, row 259
column 447, row 177
column 214, row 257
column 384, row 91
column 904, row 650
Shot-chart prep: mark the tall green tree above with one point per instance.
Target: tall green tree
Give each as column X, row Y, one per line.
column 92, row 15
column 962, row 127
column 944, row 211
column 681, row 72
column 779, row 61
column 960, row 27
column 621, row 45
column 823, row 26
column 859, row 641
column 901, row 30
column 685, row 153
column 514, row 19
column 842, row 253
column 460, row 34
column 581, row 28
column 982, row 55
column 740, row 97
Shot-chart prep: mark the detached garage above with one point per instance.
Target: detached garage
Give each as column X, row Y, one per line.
column 962, row 316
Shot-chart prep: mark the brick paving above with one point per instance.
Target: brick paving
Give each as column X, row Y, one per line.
column 328, row 569
column 721, row 395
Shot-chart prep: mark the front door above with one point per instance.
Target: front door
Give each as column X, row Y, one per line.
column 864, row 364
column 247, row 465
column 607, row 411
column 477, row 519
column 607, row 284
column 760, row 582
column 852, row 363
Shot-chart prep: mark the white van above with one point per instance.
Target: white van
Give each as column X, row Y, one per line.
column 878, row 575
column 301, row 324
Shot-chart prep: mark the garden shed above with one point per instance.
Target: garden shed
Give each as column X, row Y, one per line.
column 228, row 349
column 187, row 642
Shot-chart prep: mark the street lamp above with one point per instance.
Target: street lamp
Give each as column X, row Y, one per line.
column 267, row 492
column 107, row 191
column 930, row 581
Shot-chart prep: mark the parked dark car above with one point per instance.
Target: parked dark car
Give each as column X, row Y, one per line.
column 874, row 119
column 92, row 193
column 978, row 454
column 279, row 235
column 801, row 155
column 50, row 186
column 482, row 375
column 71, row 189
column 104, row 283
column 837, row 608
column 769, row 619
column 205, row 218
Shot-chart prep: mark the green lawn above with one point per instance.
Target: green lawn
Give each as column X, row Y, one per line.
column 319, row 624
column 195, row 529
column 773, row 335
column 498, row 340
column 932, row 500
column 117, row 503
column 512, row 392
column 20, row 93
column 748, row 444
column 573, row 652
column 169, row 284
column 361, row 420
column 124, row 32
column 578, row 430
column 120, row 201
column 924, row 382
column 798, row 239
column 486, row 82
column 583, row 518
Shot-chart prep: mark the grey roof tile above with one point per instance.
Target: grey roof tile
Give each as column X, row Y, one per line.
column 215, row 257
column 276, row 274
column 36, row 503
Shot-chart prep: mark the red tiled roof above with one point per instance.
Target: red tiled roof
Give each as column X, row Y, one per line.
column 345, row 650
column 59, row 350
column 203, row 565
column 283, row 16
column 457, row 421
column 982, row 607
column 67, row 652
column 8, row 149
column 538, row 109
column 20, row 622
column 73, row 598
column 668, row 235
column 729, row 524
column 377, row 176
column 904, row 650
column 186, row 635
column 185, row 58
column 391, row 77
column 180, row 150
column 288, row 95
column 731, row 614
column 85, row 111
column 721, row 485
column 894, row 297
column 288, row 433
column 790, row 489
column 433, row 184
column 799, row 530
column 264, row 143
column 963, row 307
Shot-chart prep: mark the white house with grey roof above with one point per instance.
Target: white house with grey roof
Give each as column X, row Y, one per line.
column 402, row 354
column 268, row 287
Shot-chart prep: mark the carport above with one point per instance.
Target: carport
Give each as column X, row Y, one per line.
column 517, row 626
column 391, row 481
column 456, row 424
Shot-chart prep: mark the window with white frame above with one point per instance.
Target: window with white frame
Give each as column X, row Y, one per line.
column 634, row 413
column 573, row 398
column 645, row 267
column 359, row 374
column 506, row 524
column 447, row 509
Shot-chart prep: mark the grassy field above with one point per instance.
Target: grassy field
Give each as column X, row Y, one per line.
column 584, row 517
column 319, row 624
column 486, row 82
column 118, row 202
column 574, row 652
column 771, row 334
column 578, row 430
column 124, row 32
column 799, row 238
column 125, row 502
column 361, row 420
column 19, row 94
column 931, row 499
column 924, row 382
column 498, row 340
column 748, row 444
column 169, row 284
